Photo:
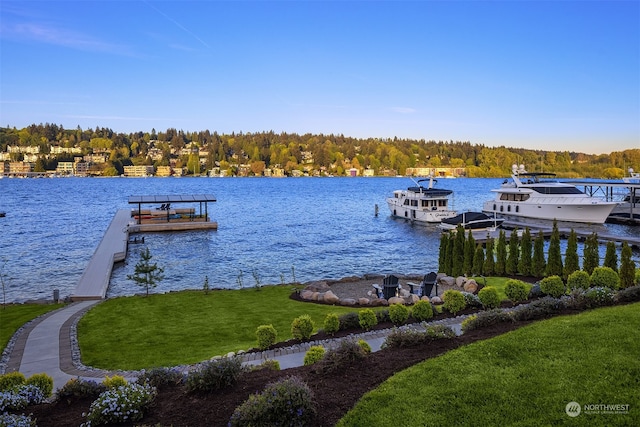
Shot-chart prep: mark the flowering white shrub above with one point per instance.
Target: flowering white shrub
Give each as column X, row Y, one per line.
column 20, row 397
column 16, row 420
column 121, row 404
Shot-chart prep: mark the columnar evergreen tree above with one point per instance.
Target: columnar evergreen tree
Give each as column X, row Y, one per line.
column 627, row 267
column 554, row 261
column 538, row 263
column 442, row 254
column 489, row 266
column 571, row 260
column 591, row 254
column 524, row 263
column 469, row 253
column 611, row 257
column 501, row 254
column 452, row 239
column 511, row 267
column 458, row 252
column 478, row 260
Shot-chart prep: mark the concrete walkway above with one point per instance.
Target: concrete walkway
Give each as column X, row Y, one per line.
column 46, row 345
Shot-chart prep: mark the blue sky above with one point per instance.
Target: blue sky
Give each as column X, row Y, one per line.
column 551, row 75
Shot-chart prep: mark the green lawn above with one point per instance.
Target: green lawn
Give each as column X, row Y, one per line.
column 497, row 282
column 523, row 378
column 187, row 327
column 13, row 316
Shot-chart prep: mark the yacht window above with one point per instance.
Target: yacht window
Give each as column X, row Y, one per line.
column 414, row 203
column 556, row 190
column 509, row 208
column 517, row 208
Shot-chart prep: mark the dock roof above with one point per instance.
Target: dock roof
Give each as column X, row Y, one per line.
column 172, row 198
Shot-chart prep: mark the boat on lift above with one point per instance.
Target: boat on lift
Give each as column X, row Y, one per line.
column 472, row 221
column 421, row 203
column 536, row 195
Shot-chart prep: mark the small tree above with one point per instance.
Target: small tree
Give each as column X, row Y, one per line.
column 538, row 263
column 489, row 265
column 611, row 257
column 205, row 286
column 591, row 254
column 442, row 254
column 469, row 253
column 571, row 261
column 449, row 263
column 501, row 254
column 627, row 267
column 524, row 263
column 554, row 263
column 458, row 253
column 513, row 255
column 478, row 260
column 146, row 274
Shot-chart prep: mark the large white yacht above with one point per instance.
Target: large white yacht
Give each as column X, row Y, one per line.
column 420, row 203
column 534, row 195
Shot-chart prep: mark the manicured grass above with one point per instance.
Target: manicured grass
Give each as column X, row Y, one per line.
column 187, row 327
column 523, row 378
column 13, row 316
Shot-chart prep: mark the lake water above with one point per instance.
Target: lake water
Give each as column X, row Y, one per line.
column 269, row 229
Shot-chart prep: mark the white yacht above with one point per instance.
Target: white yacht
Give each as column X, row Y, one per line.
column 534, row 195
column 420, row 203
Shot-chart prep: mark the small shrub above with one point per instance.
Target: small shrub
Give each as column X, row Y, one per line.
column 579, row 279
column 599, row 296
column 398, row 313
column 469, row 324
column 535, row 291
column 516, row 290
column 43, row 381
column 215, row 375
column 439, row 332
column 487, row 318
column 575, row 300
column 114, row 381
column 631, row 294
column 288, row 402
column 20, row 397
column 399, row 338
column 471, row 300
column 422, row 311
column 453, row 301
column 77, row 387
column 538, row 309
column 349, row 320
column 266, row 336
column 331, row 323
column 121, row 404
column 489, row 297
column 314, row 354
column 161, row 378
column 383, row 316
column 270, row 364
column 10, row 380
column 302, row 327
column 605, row 277
column 364, row 345
column 14, row 420
column 367, row 319
column 348, row 351
column 553, row 286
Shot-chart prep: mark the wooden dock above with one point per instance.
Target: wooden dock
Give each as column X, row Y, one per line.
column 94, row 281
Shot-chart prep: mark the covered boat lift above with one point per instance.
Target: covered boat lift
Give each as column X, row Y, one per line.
column 628, row 211
column 165, row 217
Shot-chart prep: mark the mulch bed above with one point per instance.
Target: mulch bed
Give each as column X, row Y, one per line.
column 335, row 393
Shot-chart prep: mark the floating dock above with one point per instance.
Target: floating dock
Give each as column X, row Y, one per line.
column 94, row 281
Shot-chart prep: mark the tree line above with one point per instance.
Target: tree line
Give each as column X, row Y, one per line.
column 460, row 255
column 331, row 154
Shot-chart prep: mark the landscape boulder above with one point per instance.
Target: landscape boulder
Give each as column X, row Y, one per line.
column 306, row 295
column 396, row 300
column 460, row 281
column 364, row 301
column 447, row 281
column 471, row 286
column 317, row 286
column 331, row 298
column 348, row 301
column 436, row 300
